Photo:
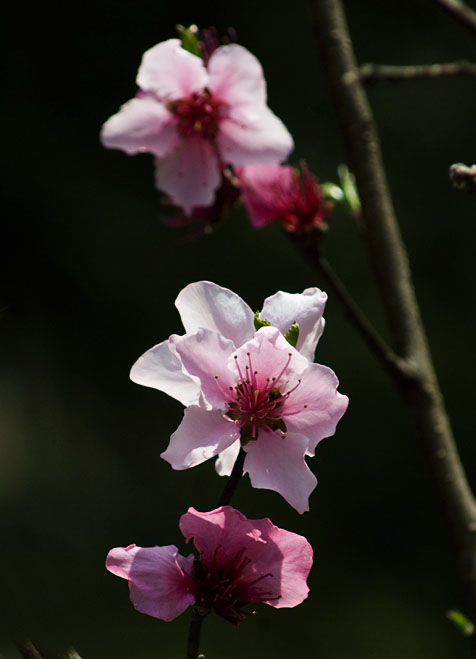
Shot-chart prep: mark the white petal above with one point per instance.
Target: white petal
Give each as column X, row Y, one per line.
column 276, row 463
column 161, row 369
column 142, row 125
column 227, row 458
column 190, row 174
column 306, row 308
column 236, row 77
column 171, row 71
column 207, row 305
column 201, row 435
column 250, row 137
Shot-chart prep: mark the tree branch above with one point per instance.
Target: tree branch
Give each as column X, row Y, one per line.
column 388, row 256
column 395, row 365
column 28, row 650
column 374, row 72
column 460, row 12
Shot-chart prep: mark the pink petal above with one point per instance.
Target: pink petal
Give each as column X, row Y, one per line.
column 205, row 355
column 224, row 527
column 171, row 72
column 236, row 77
column 141, row 125
column 270, row 353
column 161, row 369
column 293, row 566
column 210, row 306
column 253, row 137
column 261, row 186
column 278, row 464
column 201, row 435
column 158, row 584
column 190, row 174
column 306, row 308
column 316, row 405
column 284, row 557
column 226, row 459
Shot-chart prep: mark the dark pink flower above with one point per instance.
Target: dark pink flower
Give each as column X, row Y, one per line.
column 283, row 193
column 195, row 119
column 240, row 561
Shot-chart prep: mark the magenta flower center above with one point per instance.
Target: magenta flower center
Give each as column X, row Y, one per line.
column 226, row 584
column 257, row 402
column 199, row 114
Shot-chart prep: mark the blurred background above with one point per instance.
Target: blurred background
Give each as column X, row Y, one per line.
column 89, row 278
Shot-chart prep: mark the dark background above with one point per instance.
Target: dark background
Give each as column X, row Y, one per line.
column 89, row 277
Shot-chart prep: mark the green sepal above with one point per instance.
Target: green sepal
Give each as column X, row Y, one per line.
column 292, row 335
column 189, row 36
column 332, row 192
column 260, row 322
column 464, row 625
column 347, row 181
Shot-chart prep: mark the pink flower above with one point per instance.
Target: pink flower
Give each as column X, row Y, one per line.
column 246, row 387
column 240, row 561
column 280, row 192
column 196, row 118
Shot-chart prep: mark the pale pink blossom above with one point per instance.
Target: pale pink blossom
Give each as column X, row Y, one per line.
column 246, row 387
column 195, row 118
column 240, row 561
column 280, row 192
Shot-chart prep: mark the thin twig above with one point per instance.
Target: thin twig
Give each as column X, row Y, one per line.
column 421, row 394
column 28, row 650
column 193, row 643
column 233, row 480
column 375, row 72
column 460, row 12
column 396, row 366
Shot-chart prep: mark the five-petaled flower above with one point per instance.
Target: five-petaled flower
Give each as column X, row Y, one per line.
column 240, row 561
column 195, row 119
column 289, row 195
column 243, row 387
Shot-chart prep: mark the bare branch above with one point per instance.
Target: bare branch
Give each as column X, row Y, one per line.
column 460, row 12
column 389, row 259
column 373, row 72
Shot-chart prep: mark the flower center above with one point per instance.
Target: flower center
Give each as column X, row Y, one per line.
column 227, row 585
column 197, row 115
column 258, row 403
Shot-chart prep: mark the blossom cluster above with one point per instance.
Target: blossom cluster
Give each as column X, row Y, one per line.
column 205, row 119
column 254, row 398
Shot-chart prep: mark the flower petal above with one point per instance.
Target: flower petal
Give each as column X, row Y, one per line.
column 161, row 369
column 205, row 354
column 201, row 435
column 278, row 464
column 171, row 71
column 278, row 561
column 226, row 459
column 293, row 566
column 262, row 186
column 315, row 407
column 190, row 174
column 207, row 305
column 236, row 77
column 141, row 125
column 158, row 584
column 246, row 138
column 306, row 308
